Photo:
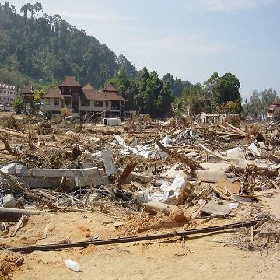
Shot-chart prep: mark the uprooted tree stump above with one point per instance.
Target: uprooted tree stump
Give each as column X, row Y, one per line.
column 5, row 141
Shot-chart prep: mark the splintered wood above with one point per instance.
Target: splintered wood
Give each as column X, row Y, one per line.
column 128, row 169
column 7, row 145
column 193, row 165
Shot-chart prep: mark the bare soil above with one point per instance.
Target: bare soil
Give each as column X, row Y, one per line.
column 210, row 256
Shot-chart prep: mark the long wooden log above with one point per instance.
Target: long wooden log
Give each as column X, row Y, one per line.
column 55, row 246
column 13, row 133
column 184, row 159
column 14, row 214
column 238, row 130
column 128, row 169
column 212, row 152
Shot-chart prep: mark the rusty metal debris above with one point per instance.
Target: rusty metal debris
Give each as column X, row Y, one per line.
column 128, row 239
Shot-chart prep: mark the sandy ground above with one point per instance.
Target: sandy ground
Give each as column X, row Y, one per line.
column 198, row 257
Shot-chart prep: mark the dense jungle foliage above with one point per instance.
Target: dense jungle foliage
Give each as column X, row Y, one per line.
column 46, row 48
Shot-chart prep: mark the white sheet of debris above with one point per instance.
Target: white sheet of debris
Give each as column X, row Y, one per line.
column 10, row 168
column 235, row 153
column 167, row 192
column 141, row 150
column 254, row 150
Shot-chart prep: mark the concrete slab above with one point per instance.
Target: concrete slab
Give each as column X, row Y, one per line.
column 213, row 171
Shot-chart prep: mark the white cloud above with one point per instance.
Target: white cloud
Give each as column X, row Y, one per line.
column 230, row 5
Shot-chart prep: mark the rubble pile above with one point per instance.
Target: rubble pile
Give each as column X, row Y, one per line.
column 162, row 175
column 264, row 238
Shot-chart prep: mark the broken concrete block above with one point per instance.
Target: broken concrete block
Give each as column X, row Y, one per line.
column 109, row 162
column 254, row 150
column 207, row 175
column 217, row 208
column 166, row 141
column 213, row 172
column 235, row 153
column 142, row 196
column 9, row 201
column 172, row 191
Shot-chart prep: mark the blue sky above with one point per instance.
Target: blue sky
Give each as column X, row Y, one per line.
column 189, row 39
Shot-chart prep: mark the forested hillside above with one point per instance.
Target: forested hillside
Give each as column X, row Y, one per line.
column 46, row 48
column 40, row 50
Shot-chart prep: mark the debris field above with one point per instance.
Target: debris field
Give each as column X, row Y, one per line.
column 153, row 180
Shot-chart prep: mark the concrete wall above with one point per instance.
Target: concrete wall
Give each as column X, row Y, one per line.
column 51, row 106
column 7, row 94
column 106, row 105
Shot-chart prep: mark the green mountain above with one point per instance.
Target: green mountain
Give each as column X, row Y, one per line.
column 39, row 48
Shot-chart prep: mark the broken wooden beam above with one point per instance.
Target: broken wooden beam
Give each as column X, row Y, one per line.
column 212, row 152
column 193, row 165
column 13, row 133
column 238, row 130
column 128, row 169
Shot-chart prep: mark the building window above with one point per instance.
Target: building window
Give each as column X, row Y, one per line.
column 98, row 103
column 68, row 102
column 56, row 102
column 115, row 105
column 85, row 102
column 48, row 102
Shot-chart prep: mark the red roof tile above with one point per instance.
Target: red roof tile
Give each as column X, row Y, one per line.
column 70, row 81
column 88, row 86
column 111, row 96
column 110, row 88
column 54, row 93
column 90, row 93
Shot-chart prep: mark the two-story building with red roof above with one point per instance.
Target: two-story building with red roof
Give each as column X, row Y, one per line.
column 273, row 112
column 83, row 101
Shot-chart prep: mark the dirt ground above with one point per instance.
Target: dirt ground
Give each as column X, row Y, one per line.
column 209, row 256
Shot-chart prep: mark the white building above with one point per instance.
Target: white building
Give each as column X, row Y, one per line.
column 273, row 112
column 8, row 94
